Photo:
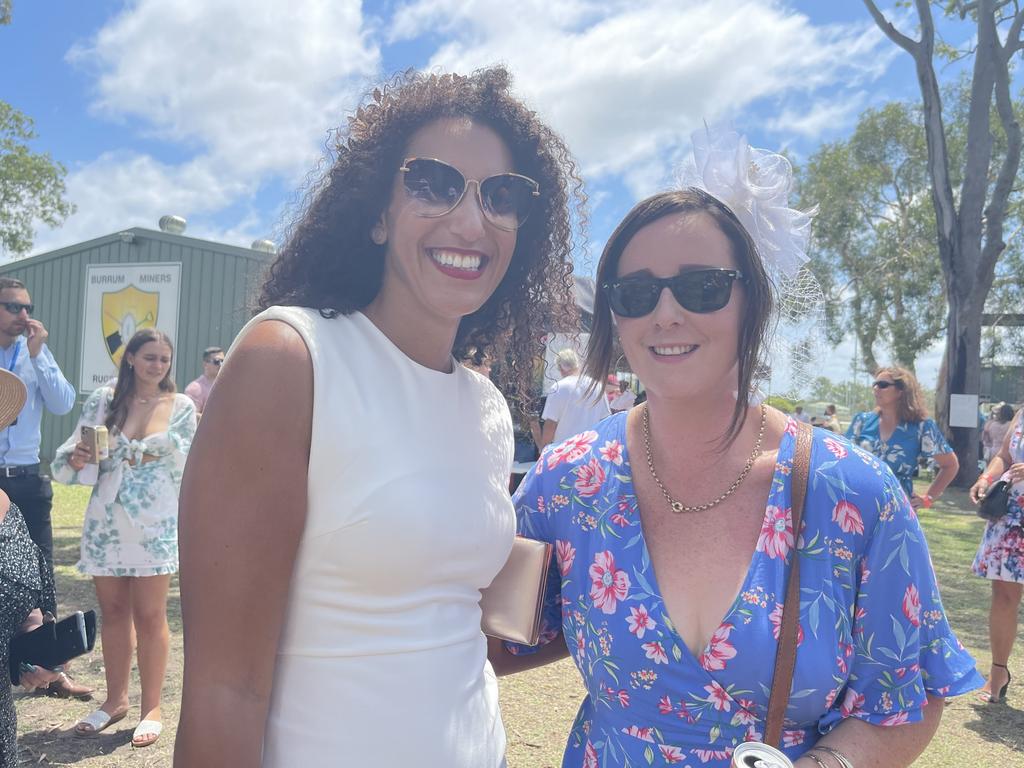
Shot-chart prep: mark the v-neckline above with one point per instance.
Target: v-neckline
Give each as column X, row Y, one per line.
column 784, row 451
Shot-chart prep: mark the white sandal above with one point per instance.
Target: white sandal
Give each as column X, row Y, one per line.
column 147, row 728
column 96, row 722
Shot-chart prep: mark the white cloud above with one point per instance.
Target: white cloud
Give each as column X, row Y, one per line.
column 817, row 117
column 254, row 83
column 120, row 190
column 626, row 83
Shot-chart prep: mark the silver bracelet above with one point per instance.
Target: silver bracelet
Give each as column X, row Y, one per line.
column 817, row 760
column 843, row 760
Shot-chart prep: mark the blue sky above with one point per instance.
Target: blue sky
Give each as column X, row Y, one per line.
column 216, row 110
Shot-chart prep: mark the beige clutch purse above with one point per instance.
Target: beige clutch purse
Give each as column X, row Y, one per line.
column 512, row 605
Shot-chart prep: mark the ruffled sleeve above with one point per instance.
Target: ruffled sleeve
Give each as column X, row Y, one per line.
column 94, row 412
column 181, row 430
column 904, row 648
column 932, row 440
column 534, row 521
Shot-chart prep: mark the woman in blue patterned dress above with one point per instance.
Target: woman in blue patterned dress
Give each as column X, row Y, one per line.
column 900, row 433
column 1001, row 557
column 672, row 531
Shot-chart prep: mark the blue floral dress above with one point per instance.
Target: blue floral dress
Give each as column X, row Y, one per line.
column 131, row 522
column 1001, row 554
column 873, row 637
column 910, row 441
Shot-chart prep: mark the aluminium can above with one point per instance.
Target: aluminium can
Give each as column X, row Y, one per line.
column 752, row 754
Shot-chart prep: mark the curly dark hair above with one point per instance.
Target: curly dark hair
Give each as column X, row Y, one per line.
column 756, row 283
column 330, row 263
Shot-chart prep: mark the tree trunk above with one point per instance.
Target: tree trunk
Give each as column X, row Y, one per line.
column 961, row 373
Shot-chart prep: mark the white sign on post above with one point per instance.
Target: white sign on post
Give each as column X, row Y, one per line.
column 121, row 299
column 963, row 411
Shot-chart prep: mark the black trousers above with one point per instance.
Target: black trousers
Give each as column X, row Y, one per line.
column 34, row 496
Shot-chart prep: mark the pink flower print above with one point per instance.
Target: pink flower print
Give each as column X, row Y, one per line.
column 845, row 652
column 565, row 553
column 793, row 738
column 612, row 452
column 684, row 713
column 590, row 757
column 671, row 754
column 622, row 697
column 898, row 718
column 865, row 572
column 835, row 447
column 541, row 504
column 639, row 621
column 775, row 617
column 853, row 703
column 581, row 644
column 609, row 585
column 589, row 478
column 640, row 733
column 791, row 427
column 848, row 517
column 655, row 651
column 620, row 520
column 573, row 449
column 717, row 697
column 744, row 713
column 776, row 537
column 912, row 605
column 708, row 755
column 665, row 705
column 719, row 650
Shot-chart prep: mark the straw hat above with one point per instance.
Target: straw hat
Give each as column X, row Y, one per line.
column 12, row 397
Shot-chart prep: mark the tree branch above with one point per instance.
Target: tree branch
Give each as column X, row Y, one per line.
column 910, row 45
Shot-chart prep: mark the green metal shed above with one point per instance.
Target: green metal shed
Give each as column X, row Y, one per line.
column 210, row 299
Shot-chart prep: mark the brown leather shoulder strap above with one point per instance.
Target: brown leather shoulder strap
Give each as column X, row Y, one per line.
column 785, row 658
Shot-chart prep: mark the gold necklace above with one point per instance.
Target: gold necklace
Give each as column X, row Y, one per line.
column 677, row 506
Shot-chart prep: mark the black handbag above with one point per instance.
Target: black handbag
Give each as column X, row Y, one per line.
column 996, row 501
column 54, row 643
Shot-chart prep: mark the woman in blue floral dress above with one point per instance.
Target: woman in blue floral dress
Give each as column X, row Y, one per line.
column 1000, row 557
column 130, row 532
column 672, row 529
column 900, row 433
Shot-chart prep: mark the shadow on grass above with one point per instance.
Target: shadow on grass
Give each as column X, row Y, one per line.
column 57, row 746
column 999, row 723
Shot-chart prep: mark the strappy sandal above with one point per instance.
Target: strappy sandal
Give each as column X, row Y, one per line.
column 96, row 722
column 990, row 698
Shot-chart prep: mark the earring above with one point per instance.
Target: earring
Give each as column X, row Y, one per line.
column 379, row 235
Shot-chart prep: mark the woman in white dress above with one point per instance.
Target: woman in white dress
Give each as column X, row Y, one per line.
column 347, row 494
column 130, row 533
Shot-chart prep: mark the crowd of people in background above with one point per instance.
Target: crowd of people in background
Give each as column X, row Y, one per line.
column 324, row 599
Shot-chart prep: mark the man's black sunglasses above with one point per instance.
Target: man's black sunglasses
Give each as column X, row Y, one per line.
column 887, row 384
column 218, row 361
column 15, row 308
column 697, row 290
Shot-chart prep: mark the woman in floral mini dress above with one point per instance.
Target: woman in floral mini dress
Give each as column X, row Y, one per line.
column 130, row 534
column 1001, row 557
column 672, row 529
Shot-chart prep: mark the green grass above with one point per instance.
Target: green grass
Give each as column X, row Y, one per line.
column 538, row 706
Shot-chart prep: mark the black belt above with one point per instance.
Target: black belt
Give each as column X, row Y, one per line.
column 19, row 471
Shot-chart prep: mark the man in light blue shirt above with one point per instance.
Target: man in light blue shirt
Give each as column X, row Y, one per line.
column 23, row 351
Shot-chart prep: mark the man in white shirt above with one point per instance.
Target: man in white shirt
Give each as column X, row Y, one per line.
column 571, row 406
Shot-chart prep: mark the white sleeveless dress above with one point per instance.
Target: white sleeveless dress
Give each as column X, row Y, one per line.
column 381, row 661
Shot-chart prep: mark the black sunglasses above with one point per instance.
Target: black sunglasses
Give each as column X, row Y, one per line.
column 505, row 198
column 697, row 290
column 15, row 308
column 887, row 384
column 218, row 361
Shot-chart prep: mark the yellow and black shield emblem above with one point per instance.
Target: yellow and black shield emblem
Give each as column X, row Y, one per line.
column 125, row 312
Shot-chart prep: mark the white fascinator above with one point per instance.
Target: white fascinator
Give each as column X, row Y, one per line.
column 756, row 184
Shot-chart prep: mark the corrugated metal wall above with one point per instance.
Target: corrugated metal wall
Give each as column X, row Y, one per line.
column 218, row 283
